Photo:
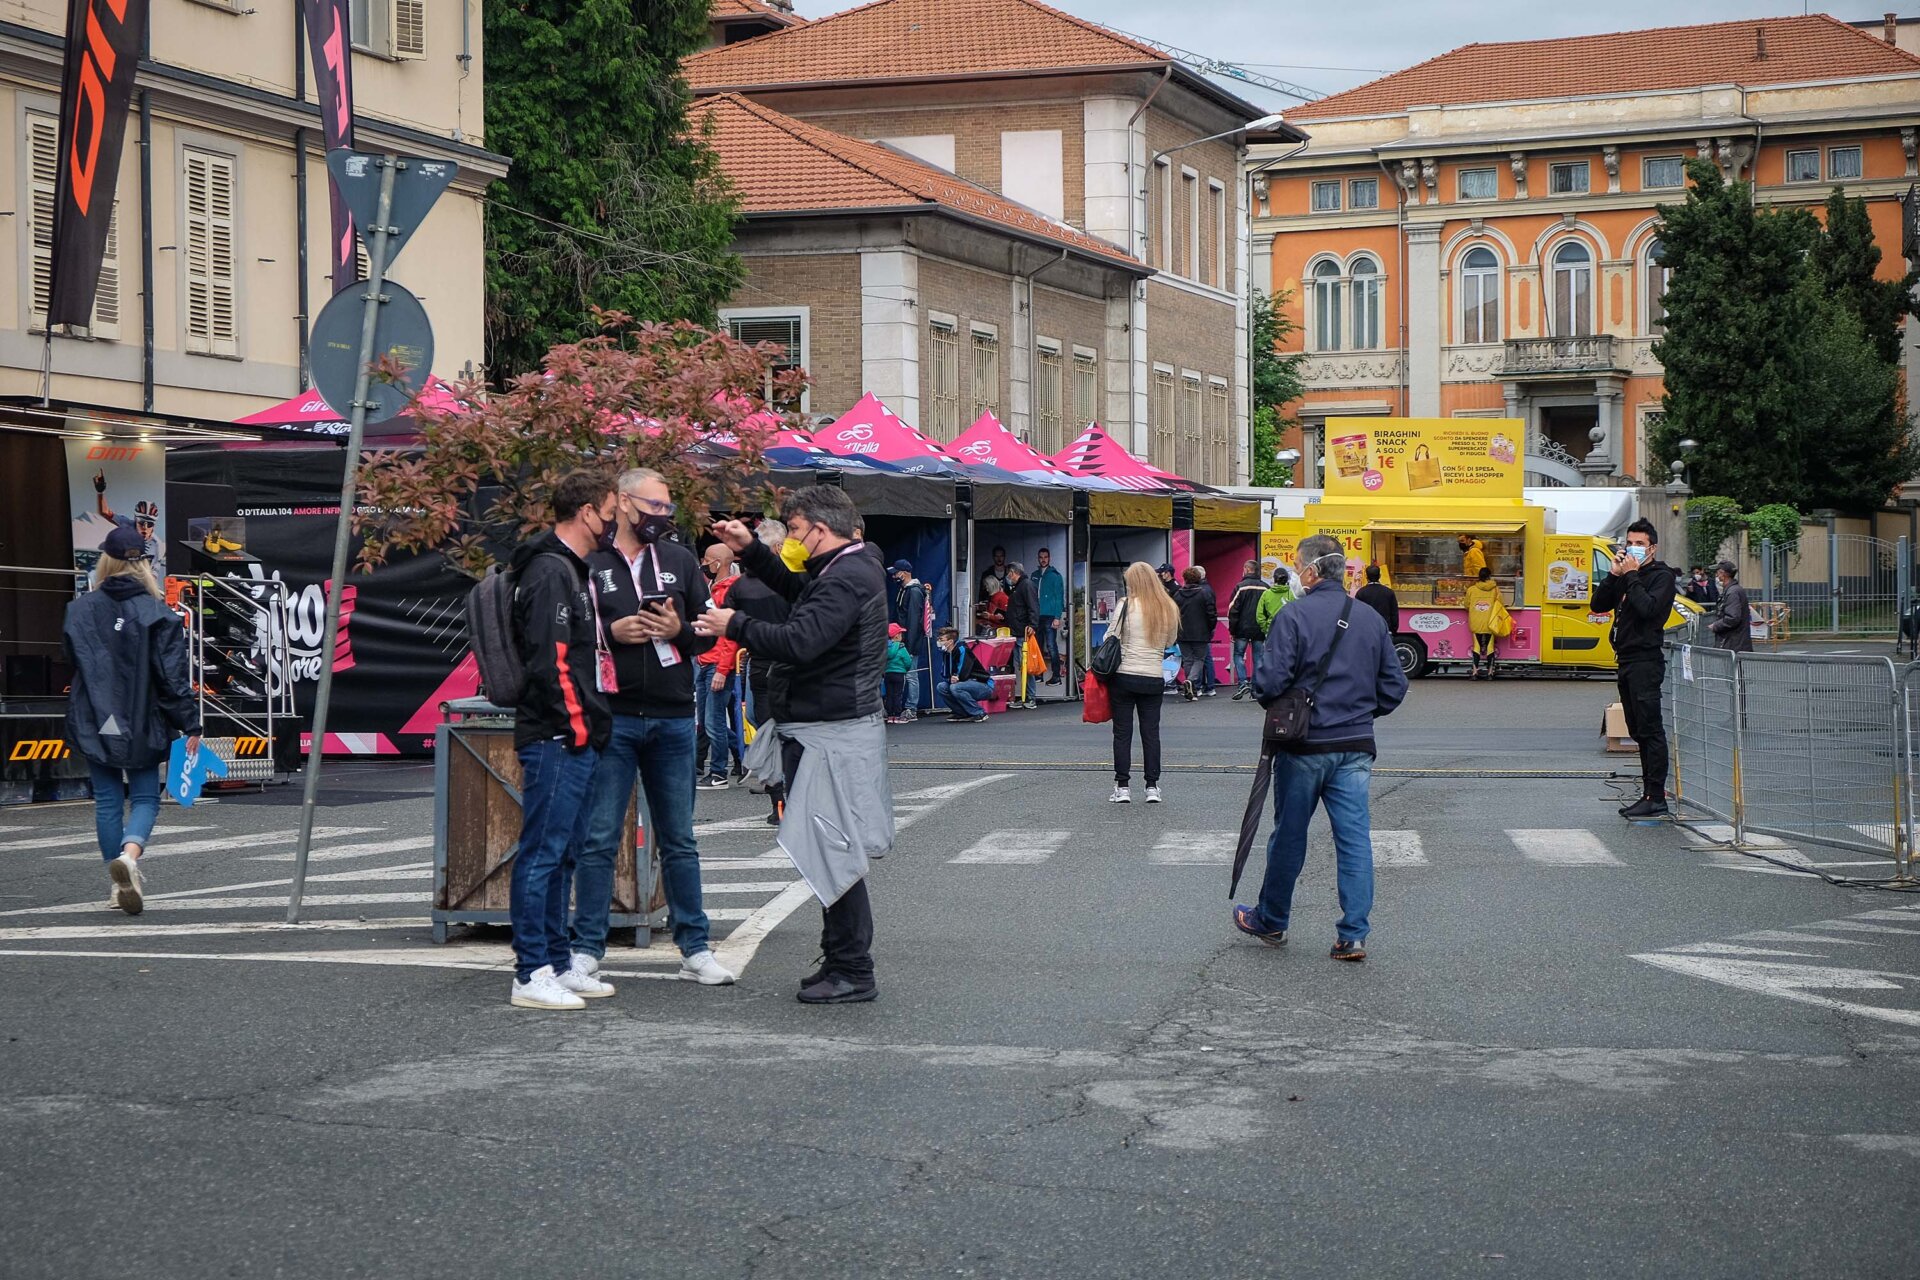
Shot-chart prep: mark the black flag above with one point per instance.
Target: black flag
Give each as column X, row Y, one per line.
column 329, row 39
column 104, row 38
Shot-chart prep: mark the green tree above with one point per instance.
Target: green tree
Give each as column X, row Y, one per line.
column 611, row 201
column 1846, row 259
column 1734, row 350
column 1711, row 522
column 1279, row 379
column 1860, row 443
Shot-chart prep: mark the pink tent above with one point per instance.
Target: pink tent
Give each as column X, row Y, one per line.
column 988, row 441
column 1095, row 453
column 308, row 412
column 871, row 430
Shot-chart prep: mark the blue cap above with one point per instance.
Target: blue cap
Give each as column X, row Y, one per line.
column 125, row 544
column 901, row 566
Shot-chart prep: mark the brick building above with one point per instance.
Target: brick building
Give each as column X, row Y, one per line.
column 994, row 205
column 1478, row 235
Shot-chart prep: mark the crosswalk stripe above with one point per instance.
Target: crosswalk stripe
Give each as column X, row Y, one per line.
column 1562, row 847
column 251, row 840
column 1194, row 849
column 770, row 862
column 1398, row 849
column 338, row 852
column 745, row 886
column 239, row 904
column 62, row 842
column 1013, row 846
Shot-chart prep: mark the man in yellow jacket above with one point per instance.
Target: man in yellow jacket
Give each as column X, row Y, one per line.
column 1486, row 609
column 1473, row 557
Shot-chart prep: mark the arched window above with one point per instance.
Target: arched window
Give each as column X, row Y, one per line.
column 1572, row 291
column 1479, row 296
column 1326, row 307
column 1366, row 304
column 1658, row 275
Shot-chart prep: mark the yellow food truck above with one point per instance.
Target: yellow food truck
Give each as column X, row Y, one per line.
column 1400, row 492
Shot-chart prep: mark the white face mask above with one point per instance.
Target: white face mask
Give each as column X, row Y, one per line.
column 1638, row 552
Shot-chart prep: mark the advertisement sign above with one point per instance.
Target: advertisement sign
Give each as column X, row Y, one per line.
column 1569, row 569
column 329, row 41
column 96, row 89
column 115, row 483
column 1277, row 549
column 1478, row 458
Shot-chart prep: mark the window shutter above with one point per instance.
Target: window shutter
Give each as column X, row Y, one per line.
column 782, row 330
column 43, row 142
column 409, row 28
column 212, row 321
column 106, row 296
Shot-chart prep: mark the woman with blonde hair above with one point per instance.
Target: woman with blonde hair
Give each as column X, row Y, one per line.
column 1146, row 622
column 131, row 695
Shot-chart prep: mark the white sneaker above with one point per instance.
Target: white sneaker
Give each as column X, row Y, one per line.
column 584, row 963
column 542, row 990
column 582, row 982
column 1153, row 795
column 126, row 884
column 1121, row 795
column 702, row 968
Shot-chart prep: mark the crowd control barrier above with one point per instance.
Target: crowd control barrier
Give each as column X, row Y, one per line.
column 1804, row 748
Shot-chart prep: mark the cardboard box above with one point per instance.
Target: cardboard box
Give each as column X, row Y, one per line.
column 1613, row 731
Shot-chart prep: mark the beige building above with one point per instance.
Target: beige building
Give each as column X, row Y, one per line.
column 1096, row 272
column 203, row 308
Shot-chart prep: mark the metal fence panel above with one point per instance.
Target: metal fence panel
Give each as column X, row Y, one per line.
column 1822, row 755
column 1704, row 730
column 1909, row 774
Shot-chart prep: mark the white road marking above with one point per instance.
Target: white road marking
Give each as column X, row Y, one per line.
column 439, row 958
column 765, row 862
column 1728, row 949
column 250, row 840
column 62, row 842
column 1562, row 847
column 745, row 886
column 337, row 852
column 1006, row 847
column 1398, row 849
column 399, row 871
column 187, row 903
column 1193, row 849
column 1797, row 982
column 1795, row 938
column 721, row 825
column 102, row 932
column 1861, row 926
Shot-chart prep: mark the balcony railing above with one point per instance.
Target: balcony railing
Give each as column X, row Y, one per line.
column 1559, row 355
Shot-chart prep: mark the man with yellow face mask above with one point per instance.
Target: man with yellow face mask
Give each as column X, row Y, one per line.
column 757, row 600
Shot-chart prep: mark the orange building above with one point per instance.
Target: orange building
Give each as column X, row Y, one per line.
column 1478, row 235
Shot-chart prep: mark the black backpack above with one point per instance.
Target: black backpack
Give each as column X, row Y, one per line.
column 503, row 676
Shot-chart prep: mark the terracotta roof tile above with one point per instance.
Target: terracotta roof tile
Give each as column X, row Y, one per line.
column 1814, row 47
column 781, row 165
column 903, row 39
column 726, row 10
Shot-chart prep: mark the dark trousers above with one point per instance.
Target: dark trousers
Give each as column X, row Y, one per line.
column 846, row 930
column 896, row 685
column 1640, row 682
column 1128, row 694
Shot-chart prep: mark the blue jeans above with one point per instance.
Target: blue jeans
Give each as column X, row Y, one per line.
column 553, row 825
column 1241, row 661
column 715, row 704
column 963, row 696
column 1049, row 643
column 113, row 821
column 660, row 752
column 913, row 689
column 1300, row 784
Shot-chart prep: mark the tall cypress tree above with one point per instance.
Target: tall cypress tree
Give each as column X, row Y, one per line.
column 610, row 202
column 1734, row 352
column 1846, row 260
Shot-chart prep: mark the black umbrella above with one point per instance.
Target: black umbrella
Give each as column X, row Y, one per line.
column 1256, row 812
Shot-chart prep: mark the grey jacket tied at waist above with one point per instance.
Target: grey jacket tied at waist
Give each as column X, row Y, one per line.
column 839, row 805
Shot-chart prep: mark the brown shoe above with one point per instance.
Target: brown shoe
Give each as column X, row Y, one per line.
column 1344, row 950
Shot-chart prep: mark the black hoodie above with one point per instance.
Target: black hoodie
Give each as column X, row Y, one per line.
column 553, row 627
column 1199, row 611
column 1640, row 602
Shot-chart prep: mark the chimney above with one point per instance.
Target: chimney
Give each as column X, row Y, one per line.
column 1760, row 43
column 1890, row 28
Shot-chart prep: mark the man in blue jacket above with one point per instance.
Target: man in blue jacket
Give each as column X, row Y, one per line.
column 1334, row 764
column 1053, row 607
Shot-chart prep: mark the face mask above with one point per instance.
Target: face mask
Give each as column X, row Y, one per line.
column 711, row 575
column 793, row 554
column 653, row 527
column 1639, row 553
column 605, row 540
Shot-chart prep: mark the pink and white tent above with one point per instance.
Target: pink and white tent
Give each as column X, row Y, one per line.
column 1095, row 453
column 989, row 442
column 309, row 412
column 871, row 430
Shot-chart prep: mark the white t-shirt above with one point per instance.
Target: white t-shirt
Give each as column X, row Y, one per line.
column 1138, row 655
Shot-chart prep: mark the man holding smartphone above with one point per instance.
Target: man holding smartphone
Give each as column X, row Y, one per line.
column 1638, row 591
column 647, row 586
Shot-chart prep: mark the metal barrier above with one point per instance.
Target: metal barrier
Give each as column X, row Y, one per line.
column 1805, row 748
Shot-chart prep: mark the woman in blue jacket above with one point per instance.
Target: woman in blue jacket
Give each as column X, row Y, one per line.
column 131, row 696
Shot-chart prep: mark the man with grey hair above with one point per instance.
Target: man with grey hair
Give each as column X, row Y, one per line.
column 1343, row 658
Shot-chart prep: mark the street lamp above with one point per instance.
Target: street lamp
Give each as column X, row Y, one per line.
column 1677, row 490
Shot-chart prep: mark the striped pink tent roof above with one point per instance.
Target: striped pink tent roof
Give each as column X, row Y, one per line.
column 781, row 436
column 871, row 430
column 989, row 441
column 1095, row 453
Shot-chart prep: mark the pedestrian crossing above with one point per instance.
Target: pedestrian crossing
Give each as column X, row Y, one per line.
column 1540, row 846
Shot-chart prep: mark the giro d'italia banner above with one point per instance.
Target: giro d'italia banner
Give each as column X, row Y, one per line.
column 401, row 648
column 96, row 89
column 329, row 42
column 115, row 484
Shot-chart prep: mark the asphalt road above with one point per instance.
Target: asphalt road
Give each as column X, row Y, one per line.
column 1578, row 1047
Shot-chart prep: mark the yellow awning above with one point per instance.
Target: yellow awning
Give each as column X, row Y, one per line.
column 1430, row 528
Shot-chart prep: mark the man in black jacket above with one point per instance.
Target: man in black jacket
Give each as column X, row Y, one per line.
column 757, row 600
column 560, row 723
column 1243, row 626
column 909, row 609
column 1023, row 615
column 1199, row 612
column 647, row 588
column 1379, row 597
column 1638, row 591
column 828, row 656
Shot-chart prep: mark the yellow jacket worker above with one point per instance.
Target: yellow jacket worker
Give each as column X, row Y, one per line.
column 1473, row 557
column 1485, row 605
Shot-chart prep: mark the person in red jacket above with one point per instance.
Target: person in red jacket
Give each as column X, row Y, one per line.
column 713, row 683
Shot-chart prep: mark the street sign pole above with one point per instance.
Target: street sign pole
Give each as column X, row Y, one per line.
column 343, row 532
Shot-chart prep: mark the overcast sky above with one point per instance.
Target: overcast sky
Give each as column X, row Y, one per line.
column 1356, row 40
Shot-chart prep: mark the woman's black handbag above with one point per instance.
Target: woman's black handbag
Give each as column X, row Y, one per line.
column 1288, row 714
column 1106, row 659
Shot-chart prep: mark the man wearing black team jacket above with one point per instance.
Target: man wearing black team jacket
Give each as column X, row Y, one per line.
column 647, row 588
column 1638, row 591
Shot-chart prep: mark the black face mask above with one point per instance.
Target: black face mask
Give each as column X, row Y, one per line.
column 711, row 575
column 653, row 527
column 605, row 540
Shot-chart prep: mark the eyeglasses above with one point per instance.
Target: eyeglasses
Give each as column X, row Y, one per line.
column 653, row 505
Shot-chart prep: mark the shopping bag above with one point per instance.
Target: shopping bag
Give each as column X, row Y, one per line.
column 1423, row 469
column 1036, row 661
column 1095, row 706
column 1502, row 621
column 188, row 772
